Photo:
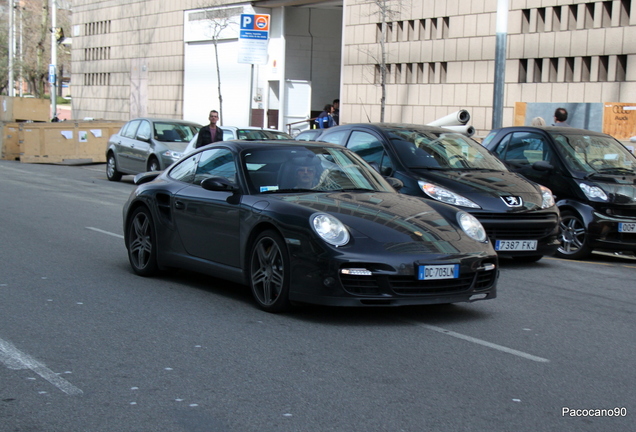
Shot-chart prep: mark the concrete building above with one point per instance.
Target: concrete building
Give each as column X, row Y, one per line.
column 157, row 58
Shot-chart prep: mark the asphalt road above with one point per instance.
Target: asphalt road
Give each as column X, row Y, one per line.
column 86, row 345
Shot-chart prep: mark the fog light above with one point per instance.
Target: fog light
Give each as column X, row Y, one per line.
column 356, row 272
column 329, row 282
column 487, row 267
column 477, row 297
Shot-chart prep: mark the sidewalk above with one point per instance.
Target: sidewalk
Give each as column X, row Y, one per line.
column 64, row 112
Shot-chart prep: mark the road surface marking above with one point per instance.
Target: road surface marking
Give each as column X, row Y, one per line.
column 106, row 232
column 487, row 344
column 15, row 359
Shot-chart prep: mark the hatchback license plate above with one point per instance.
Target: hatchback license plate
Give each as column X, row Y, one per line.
column 627, row 227
column 430, row 272
column 516, row 245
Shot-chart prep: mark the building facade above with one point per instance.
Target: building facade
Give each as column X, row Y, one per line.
column 155, row 58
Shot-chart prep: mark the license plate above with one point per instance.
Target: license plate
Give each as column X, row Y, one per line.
column 627, row 227
column 430, row 272
column 516, row 245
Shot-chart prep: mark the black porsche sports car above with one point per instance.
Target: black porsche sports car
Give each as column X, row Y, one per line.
column 308, row 223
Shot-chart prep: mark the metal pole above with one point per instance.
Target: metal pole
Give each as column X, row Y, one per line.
column 11, row 84
column 53, row 71
column 249, row 105
column 500, row 64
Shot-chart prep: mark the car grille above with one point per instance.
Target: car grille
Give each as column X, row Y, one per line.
column 409, row 285
column 522, row 226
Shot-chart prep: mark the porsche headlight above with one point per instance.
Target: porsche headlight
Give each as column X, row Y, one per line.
column 174, row 155
column 593, row 192
column 445, row 196
column 330, row 229
column 548, row 198
column 472, row 227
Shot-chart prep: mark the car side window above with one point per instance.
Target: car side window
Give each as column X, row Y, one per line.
column 185, row 170
column 336, row 137
column 524, row 148
column 227, row 135
column 371, row 150
column 216, row 163
column 130, row 130
column 144, row 132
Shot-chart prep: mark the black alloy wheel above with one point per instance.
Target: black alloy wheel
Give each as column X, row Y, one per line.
column 142, row 243
column 269, row 272
column 573, row 234
column 111, row 168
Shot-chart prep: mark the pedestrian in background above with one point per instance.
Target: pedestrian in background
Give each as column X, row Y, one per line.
column 210, row 133
column 538, row 121
column 560, row 117
column 336, row 112
column 325, row 119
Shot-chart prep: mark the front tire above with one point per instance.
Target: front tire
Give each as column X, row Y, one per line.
column 111, row 168
column 141, row 243
column 153, row 164
column 269, row 272
column 574, row 237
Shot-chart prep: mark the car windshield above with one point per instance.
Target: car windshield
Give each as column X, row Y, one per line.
column 174, row 132
column 419, row 148
column 595, row 154
column 298, row 168
column 256, row 134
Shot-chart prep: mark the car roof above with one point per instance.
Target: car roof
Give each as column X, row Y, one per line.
column 241, row 145
column 556, row 129
column 395, row 126
column 166, row 120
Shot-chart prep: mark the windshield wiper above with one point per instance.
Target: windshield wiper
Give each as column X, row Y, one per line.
column 620, row 170
column 289, row 190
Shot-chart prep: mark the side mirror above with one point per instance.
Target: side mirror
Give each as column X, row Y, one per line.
column 395, row 183
column 219, row 184
column 144, row 138
column 542, row 166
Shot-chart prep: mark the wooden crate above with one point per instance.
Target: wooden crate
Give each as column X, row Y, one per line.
column 619, row 120
column 71, row 142
column 10, row 143
column 24, row 109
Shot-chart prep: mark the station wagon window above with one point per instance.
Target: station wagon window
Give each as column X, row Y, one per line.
column 144, row 130
column 130, row 129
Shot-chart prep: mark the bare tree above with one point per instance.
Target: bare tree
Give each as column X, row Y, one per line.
column 386, row 10
column 218, row 20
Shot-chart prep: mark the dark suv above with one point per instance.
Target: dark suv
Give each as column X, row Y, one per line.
column 592, row 175
column 519, row 216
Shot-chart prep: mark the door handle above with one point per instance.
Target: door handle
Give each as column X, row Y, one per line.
column 179, row 205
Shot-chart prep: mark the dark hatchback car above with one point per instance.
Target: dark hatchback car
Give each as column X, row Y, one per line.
column 305, row 222
column 519, row 216
column 592, row 175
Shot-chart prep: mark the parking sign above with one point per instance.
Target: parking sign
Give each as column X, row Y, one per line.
column 253, row 39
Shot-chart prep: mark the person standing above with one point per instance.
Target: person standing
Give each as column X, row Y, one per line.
column 336, row 112
column 560, row 117
column 325, row 119
column 210, row 133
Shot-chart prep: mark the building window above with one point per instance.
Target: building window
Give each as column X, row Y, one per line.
column 556, row 18
column 569, row 69
column 621, row 67
column 625, row 12
column 98, row 27
column 523, row 70
column 603, row 68
column 586, row 68
column 97, row 79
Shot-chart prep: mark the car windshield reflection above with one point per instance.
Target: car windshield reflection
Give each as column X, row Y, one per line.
column 595, row 154
column 301, row 169
column 441, row 151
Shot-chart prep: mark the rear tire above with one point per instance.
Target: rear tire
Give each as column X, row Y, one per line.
column 269, row 272
column 111, row 168
column 574, row 238
column 141, row 243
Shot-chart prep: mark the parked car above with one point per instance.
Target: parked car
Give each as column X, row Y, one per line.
column 249, row 133
column 592, row 175
column 147, row 144
column 519, row 216
column 309, row 135
column 235, row 210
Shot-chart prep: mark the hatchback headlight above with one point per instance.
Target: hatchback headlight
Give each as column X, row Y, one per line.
column 330, row 229
column 472, row 227
column 174, row 155
column 445, row 196
column 593, row 192
column 548, row 198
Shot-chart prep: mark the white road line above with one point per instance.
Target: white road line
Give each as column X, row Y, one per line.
column 487, row 344
column 15, row 359
column 106, row 232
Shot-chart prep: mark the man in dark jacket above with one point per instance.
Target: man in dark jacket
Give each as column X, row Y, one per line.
column 210, row 133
